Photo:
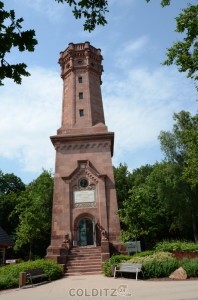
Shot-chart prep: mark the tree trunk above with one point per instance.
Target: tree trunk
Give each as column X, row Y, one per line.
column 30, row 251
column 195, row 232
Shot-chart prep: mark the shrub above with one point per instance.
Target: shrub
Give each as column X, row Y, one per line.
column 143, row 254
column 190, row 266
column 156, row 268
column 7, row 282
column 160, row 256
column 9, row 275
column 177, row 246
column 113, row 260
column 158, row 264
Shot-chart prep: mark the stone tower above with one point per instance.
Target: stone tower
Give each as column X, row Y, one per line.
column 85, row 203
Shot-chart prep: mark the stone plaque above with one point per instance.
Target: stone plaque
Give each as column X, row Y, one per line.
column 84, row 196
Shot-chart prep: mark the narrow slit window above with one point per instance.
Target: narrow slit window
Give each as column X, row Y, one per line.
column 80, row 95
column 81, row 112
column 80, row 79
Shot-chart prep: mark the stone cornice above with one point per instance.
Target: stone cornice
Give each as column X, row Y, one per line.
column 72, row 142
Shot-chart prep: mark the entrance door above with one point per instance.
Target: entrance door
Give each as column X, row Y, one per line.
column 86, row 232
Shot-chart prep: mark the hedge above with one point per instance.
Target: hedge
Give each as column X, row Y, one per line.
column 177, row 246
column 9, row 275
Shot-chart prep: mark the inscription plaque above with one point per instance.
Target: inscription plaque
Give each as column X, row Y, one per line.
column 84, row 196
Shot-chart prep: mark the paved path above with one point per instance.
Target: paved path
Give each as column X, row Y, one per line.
column 99, row 287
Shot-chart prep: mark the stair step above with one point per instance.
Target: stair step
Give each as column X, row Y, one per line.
column 87, row 251
column 84, row 254
column 84, row 257
column 80, row 262
column 88, row 269
column 82, row 273
column 83, row 267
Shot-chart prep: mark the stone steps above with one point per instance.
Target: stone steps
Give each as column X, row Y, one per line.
column 84, row 261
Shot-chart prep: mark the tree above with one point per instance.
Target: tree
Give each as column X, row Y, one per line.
column 140, row 209
column 122, row 183
column 11, row 35
column 180, row 146
column 35, row 210
column 11, row 187
column 157, row 206
column 184, row 53
column 92, row 10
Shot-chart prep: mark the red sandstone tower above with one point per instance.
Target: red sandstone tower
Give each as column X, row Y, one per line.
column 85, row 203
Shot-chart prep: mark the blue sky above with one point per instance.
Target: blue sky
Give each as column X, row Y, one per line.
column 139, row 94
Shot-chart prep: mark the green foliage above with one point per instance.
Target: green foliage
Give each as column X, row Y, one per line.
column 11, row 35
column 8, row 282
column 93, row 11
column 156, row 269
column 10, row 188
column 143, row 254
column 10, row 183
column 163, row 2
column 122, row 183
column 176, row 246
column 181, row 147
column 25, row 212
column 184, row 53
column 190, row 266
column 9, row 275
column 162, row 200
column 175, row 144
column 113, row 260
column 35, row 209
column 159, row 256
column 157, row 265
column 156, row 205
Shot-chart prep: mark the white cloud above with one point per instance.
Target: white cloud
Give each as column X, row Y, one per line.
column 133, row 46
column 142, row 104
column 30, row 113
column 46, row 8
column 128, row 53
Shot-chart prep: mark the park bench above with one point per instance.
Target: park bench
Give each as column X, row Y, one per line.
column 128, row 268
column 35, row 274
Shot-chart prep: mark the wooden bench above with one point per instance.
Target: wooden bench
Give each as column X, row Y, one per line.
column 128, row 268
column 34, row 274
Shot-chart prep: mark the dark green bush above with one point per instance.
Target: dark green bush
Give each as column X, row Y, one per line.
column 7, row 282
column 156, row 268
column 9, row 275
column 113, row 260
column 190, row 266
column 177, row 246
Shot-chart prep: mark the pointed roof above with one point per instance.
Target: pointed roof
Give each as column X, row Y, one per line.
column 5, row 240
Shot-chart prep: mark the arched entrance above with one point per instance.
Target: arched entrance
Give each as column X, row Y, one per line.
column 86, row 232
